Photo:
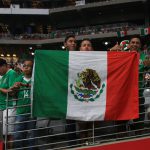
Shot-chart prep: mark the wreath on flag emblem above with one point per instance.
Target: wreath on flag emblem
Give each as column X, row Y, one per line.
column 87, row 87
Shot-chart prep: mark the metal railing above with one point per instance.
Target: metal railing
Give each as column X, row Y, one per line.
column 47, row 133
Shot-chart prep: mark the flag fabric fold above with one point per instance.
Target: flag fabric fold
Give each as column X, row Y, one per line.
column 85, row 86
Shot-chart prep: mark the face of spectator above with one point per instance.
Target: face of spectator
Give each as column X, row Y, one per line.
column 27, row 68
column 86, row 45
column 70, row 44
column 135, row 44
column 3, row 69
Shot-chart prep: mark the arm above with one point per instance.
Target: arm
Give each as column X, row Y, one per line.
column 17, row 85
column 117, row 47
column 5, row 91
column 13, row 89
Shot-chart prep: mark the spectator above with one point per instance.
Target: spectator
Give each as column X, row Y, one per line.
column 85, row 127
column 18, row 68
column 23, row 110
column 135, row 45
column 144, row 64
column 86, row 45
column 7, row 80
column 70, row 45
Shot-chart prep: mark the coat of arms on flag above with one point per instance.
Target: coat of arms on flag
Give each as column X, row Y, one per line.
column 87, row 86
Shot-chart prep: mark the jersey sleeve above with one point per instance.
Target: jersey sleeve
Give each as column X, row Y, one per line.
column 12, row 78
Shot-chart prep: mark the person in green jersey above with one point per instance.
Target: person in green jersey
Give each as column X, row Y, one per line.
column 144, row 64
column 7, row 80
column 23, row 110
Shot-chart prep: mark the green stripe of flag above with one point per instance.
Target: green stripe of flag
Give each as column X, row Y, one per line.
column 58, row 70
column 142, row 32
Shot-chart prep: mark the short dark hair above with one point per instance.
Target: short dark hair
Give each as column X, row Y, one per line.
column 135, row 36
column 2, row 62
column 27, row 59
column 86, row 39
column 69, row 36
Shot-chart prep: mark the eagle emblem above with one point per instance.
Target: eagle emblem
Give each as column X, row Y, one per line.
column 88, row 86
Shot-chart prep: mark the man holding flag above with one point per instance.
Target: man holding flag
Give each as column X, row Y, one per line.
column 144, row 64
column 71, row 45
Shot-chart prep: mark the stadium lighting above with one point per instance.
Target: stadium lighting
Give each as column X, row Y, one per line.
column 32, row 53
column 63, row 47
column 106, row 43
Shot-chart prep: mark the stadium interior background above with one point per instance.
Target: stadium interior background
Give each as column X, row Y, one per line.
column 27, row 25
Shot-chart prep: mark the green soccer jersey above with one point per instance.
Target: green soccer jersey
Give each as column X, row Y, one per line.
column 142, row 68
column 6, row 82
column 23, row 97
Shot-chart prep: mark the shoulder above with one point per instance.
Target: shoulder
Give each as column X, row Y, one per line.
column 19, row 78
column 142, row 55
column 12, row 72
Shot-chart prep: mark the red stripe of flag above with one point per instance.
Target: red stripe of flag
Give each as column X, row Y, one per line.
column 122, row 86
column 1, row 145
column 148, row 30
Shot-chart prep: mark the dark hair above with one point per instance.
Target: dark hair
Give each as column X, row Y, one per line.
column 86, row 39
column 27, row 59
column 69, row 36
column 11, row 65
column 135, row 36
column 2, row 62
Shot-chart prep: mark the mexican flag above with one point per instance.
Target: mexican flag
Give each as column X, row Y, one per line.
column 145, row 31
column 85, row 85
column 121, row 33
column 1, row 144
